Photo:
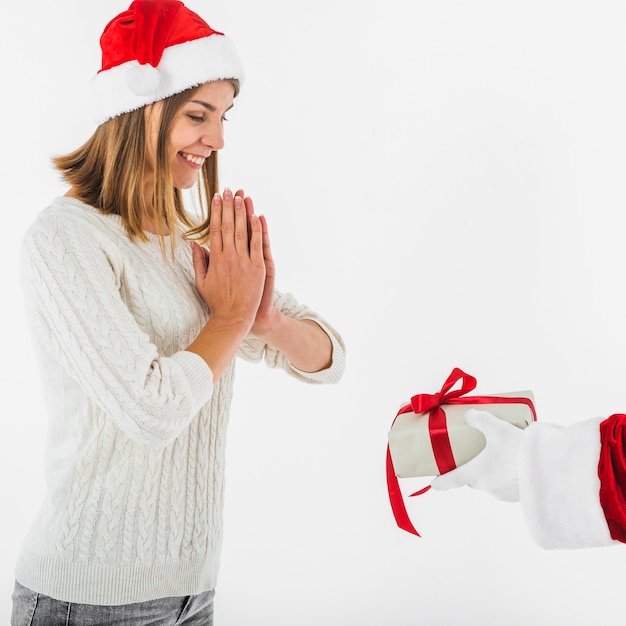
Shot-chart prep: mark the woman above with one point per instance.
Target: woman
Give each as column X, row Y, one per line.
column 136, row 335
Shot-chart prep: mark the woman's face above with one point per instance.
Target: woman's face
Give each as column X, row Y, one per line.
column 196, row 131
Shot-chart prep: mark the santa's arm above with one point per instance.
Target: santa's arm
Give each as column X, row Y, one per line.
column 571, row 481
column 560, row 485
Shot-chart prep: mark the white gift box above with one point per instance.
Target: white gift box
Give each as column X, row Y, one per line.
column 410, row 444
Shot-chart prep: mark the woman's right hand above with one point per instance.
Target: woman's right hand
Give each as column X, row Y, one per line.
column 231, row 276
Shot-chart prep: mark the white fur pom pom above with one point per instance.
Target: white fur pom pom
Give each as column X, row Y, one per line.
column 143, row 80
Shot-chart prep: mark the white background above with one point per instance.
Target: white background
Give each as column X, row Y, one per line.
column 443, row 181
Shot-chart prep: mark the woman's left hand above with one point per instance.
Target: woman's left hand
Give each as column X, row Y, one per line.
column 302, row 341
column 266, row 312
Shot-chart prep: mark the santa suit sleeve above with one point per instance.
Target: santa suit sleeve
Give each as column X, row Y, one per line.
column 573, row 483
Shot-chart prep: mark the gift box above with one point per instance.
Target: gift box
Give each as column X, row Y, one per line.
column 429, row 435
column 414, row 446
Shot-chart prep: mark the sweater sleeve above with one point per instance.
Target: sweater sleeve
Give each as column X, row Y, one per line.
column 255, row 349
column 560, row 485
column 80, row 320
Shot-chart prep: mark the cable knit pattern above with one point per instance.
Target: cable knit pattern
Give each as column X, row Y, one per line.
column 135, row 463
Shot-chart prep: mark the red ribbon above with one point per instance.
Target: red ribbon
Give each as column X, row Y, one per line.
column 438, row 431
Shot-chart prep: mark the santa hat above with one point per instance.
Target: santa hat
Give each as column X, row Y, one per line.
column 155, row 49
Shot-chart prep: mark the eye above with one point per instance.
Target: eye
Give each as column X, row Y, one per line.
column 224, row 118
column 196, row 118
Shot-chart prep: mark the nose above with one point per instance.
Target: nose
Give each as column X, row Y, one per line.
column 213, row 137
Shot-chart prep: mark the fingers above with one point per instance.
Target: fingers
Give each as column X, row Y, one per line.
column 267, row 249
column 241, row 237
column 256, row 238
column 227, row 222
column 270, row 269
column 215, row 227
column 249, row 206
column 234, row 225
column 229, row 227
column 262, row 222
column 249, row 211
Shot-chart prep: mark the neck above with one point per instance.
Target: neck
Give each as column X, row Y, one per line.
column 156, row 227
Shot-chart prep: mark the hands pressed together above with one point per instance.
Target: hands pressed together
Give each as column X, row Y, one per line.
column 236, row 277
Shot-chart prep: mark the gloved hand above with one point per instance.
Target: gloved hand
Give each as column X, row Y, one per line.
column 494, row 470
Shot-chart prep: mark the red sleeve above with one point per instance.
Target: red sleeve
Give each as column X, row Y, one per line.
column 612, row 474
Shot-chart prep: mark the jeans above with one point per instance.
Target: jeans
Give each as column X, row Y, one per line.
column 35, row 609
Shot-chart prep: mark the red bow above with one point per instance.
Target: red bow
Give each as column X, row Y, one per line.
column 437, row 427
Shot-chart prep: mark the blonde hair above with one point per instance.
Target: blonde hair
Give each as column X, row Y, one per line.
column 107, row 171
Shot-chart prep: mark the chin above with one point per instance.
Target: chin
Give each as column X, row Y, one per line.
column 187, row 183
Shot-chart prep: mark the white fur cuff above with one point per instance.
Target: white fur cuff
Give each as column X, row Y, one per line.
column 559, row 485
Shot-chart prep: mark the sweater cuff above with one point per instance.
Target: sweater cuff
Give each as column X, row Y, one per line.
column 560, row 487
column 198, row 375
column 333, row 373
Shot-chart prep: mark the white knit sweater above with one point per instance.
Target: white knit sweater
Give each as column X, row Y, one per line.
column 135, row 461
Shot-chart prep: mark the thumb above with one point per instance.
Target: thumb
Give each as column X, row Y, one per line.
column 199, row 261
column 455, row 478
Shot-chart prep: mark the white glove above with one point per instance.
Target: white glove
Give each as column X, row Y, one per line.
column 494, row 470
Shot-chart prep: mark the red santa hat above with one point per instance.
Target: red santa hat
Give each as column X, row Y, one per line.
column 155, row 49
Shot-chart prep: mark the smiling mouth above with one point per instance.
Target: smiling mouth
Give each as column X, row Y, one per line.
column 196, row 160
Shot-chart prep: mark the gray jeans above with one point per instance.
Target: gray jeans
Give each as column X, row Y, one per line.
column 35, row 609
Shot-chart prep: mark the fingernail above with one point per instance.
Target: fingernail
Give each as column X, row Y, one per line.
column 228, row 194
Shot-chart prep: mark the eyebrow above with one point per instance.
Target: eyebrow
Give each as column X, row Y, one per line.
column 210, row 107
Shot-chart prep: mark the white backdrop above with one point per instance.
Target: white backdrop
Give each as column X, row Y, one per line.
column 443, row 181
